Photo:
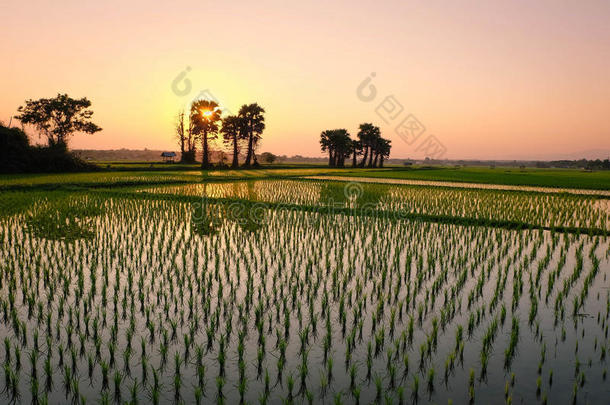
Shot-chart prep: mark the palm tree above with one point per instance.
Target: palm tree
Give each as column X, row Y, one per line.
column 326, row 144
column 384, row 150
column 367, row 136
column 338, row 144
column 342, row 145
column 233, row 129
column 254, row 123
column 356, row 148
column 378, row 146
column 205, row 115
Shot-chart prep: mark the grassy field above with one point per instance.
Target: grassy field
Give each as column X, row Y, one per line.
column 141, row 173
column 135, row 177
column 560, row 178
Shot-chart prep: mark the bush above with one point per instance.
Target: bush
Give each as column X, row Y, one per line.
column 188, row 157
column 15, row 150
column 18, row 156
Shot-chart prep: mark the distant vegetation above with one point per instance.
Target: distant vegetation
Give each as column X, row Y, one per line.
column 370, row 145
column 18, row 156
column 205, row 123
column 56, row 119
column 597, row 164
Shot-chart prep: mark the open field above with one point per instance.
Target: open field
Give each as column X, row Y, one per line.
column 259, row 286
column 562, row 178
column 174, row 173
column 123, row 178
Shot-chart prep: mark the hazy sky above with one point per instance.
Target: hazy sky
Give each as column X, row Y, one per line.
column 511, row 80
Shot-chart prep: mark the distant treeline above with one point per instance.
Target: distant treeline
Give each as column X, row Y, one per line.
column 586, row 164
column 597, row 164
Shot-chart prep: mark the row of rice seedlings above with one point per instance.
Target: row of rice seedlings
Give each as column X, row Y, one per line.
column 540, row 209
column 248, row 310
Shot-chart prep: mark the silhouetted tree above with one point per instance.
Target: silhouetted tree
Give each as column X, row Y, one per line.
column 18, row 156
column 254, row 122
column 338, row 144
column 180, row 133
column 191, row 142
column 205, row 115
column 58, row 118
column 367, row 136
column 268, row 157
column 327, row 146
column 233, row 129
column 356, row 150
column 384, row 150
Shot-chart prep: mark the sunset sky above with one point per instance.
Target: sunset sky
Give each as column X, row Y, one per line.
column 520, row 79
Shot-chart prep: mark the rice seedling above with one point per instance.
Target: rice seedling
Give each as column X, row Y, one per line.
column 287, row 297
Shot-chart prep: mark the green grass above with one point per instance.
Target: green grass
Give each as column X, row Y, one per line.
column 559, row 178
column 142, row 177
column 176, row 173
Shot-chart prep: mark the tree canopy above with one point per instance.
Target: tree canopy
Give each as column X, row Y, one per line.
column 58, row 118
column 370, row 144
column 233, row 130
column 338, row 144
column 205, row 116
column 254, row 122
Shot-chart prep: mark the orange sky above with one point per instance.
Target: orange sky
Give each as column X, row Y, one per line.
column 515, row 80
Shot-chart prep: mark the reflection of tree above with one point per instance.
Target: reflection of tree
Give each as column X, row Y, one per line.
column 341, row 194
column 373, row 194
column 248, row 215
column 332, row 193
column 206, row 219
column 64, row 220
column 17, row 203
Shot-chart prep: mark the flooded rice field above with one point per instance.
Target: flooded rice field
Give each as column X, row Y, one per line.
column 461, row 184
column 133, row 299
column 526, row 208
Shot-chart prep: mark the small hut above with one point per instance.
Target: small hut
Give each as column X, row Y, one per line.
column 168, row 157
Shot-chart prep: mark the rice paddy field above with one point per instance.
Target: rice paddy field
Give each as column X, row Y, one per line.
column 293, row 290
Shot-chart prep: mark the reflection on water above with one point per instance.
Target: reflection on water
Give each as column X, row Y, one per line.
column 63, row 218
column 538, row 209
column 322, row 304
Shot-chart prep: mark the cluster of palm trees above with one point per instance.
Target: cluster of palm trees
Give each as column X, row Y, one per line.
column 206, row 123
column 370, row 145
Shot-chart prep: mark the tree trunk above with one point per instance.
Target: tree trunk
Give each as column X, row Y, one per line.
column 235, row 158
column 371, row 158
column 204, row 160
column 330, row 157
column 381, row 161
column 354, row 160
column 366, row 152
column 249, row 154
column 375, row 161
column 341, row 162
